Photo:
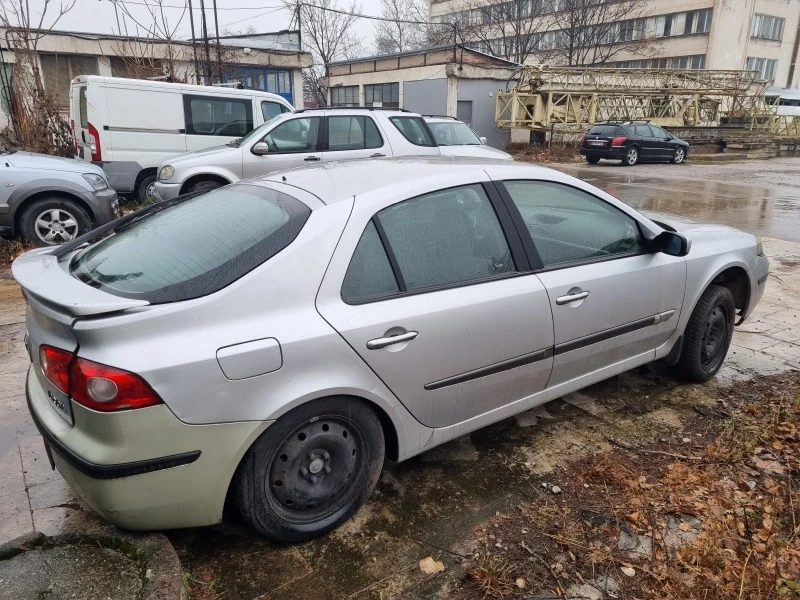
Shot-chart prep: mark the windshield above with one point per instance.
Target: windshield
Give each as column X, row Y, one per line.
column 195, row 247
column 255, row 133
column 454, row 133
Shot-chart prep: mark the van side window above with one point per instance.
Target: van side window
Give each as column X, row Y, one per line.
column 206, row 115
column 83, row 107
column 271, row 109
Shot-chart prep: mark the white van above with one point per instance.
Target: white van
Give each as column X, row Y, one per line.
column 129, row 126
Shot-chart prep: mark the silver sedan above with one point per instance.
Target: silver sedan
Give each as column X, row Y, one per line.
column 276, row 339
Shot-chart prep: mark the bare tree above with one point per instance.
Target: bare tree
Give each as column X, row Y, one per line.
column 404, row 26
column 593, row 32
column 328, row 33
column 508, row 29
column 36, row 118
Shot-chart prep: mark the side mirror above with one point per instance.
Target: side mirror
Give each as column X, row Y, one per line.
column 673, row 244
column 260, row 149
column 483, row 140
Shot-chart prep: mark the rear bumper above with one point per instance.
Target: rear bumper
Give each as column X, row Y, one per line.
column 143, row 469
column 613, row 153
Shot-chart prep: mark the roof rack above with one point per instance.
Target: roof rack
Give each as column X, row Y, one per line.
column 440, row 117
column 623, row 122
column 354, row 108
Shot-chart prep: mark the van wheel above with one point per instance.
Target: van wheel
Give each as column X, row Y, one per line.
column 708, row 335
column 204, row 186
column 311, row 470
column 53, row 221
column 146, row 192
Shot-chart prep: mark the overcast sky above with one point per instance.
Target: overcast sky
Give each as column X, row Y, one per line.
column 97, row 16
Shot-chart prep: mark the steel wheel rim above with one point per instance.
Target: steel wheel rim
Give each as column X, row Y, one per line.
column 715, row 335
column 56, row 226
column 150, row 192
column 312, row 475
column 633, row 154
column 679, row 156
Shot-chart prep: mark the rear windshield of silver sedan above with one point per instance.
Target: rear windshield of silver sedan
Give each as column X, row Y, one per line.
column 194, row 248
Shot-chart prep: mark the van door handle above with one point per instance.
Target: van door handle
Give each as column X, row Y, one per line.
column 311, row 158
column 383, row 342
column 377, row 155
column 572, row 298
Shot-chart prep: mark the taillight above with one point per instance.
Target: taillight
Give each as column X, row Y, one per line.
column 74, row 136
column 55, row 366
column 94, row 385
column 94, row 144
column 619, row 141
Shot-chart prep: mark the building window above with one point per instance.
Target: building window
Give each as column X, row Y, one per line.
column 344, row 96
column 765, row 67
column 766, row 27
column 683, row 23
column 383, row 94
column 697, row 21
column 60, row 69
column 695, row 61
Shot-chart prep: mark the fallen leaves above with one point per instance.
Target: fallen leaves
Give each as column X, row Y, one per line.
column 431, row 567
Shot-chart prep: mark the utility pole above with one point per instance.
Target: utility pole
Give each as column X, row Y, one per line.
column 194, row 45
column 219, row 49
column 207, row 66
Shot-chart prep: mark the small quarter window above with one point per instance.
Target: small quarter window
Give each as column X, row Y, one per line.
column 414, row 130
column 569, row 225
column 370, row 273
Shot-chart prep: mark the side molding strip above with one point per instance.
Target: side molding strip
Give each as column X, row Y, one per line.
column 505, row 365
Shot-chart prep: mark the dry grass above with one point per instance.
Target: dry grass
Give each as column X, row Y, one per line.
column 556, row 152
column 721, row 523
column 9, row 250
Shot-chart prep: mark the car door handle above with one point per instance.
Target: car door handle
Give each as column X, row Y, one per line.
column 383, row 342
column 572, row 298
column 377, row 155
column 311, row 158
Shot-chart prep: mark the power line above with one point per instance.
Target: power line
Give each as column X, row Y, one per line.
column 371, row 17
column 252, row 17
column 156, row 5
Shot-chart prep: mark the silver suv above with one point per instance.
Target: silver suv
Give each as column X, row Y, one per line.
column 48, row 200
column 296, row 139
column 273, row 340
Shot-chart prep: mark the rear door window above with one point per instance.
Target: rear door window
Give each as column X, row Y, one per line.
column 83, row 107
column 414, row 129
column 352, row 133
column 195, row 247
column 206, row 115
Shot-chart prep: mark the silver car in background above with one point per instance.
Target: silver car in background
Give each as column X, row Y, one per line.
column 276, row 339
column 456, row 138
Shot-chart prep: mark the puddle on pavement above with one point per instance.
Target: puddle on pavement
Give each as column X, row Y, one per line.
column 764, row 211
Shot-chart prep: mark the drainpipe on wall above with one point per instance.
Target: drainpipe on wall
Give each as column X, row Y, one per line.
column 795, row 52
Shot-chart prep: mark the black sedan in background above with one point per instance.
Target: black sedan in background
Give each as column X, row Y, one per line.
column 632, row 142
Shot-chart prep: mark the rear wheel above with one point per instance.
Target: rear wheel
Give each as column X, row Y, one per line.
column 631, row 157
column 311, row 470
column 592, row 160
column 679, row 156
column 146, row 190
column 708, row 335
column 53, row 221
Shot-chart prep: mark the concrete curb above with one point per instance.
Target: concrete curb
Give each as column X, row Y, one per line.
column 158, row 563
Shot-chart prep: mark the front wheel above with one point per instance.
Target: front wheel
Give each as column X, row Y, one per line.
column 679, row 156
column 53, row 221
column 631, row 157
column 708, row 335
column 311, row 470
column 146, row 190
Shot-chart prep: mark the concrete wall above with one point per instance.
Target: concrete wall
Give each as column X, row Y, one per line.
column 427, row 97
column 483, row 94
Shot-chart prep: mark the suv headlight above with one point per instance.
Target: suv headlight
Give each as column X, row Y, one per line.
column 96, row 181
column 166, row 173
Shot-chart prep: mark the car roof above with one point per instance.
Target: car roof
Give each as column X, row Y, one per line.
column 340, row 180
column 359, row 109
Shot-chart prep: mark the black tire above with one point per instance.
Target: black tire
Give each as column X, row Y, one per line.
column 678, row 156
column 69, row 220
column 708, row 335
column 592, row 160
column 631, row 156
column 145, row 191
column 204, row 186
column 311, row 470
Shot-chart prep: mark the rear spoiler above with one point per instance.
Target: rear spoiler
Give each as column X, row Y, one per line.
column 41, row 276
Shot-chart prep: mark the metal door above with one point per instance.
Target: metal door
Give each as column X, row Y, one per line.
column 464, row 111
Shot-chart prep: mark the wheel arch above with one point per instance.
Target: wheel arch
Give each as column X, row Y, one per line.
column 186, row 185
column 144, row 173
column 43, row 195
column 736, row 279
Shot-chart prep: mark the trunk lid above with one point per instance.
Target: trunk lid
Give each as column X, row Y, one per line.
column 55, row 301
